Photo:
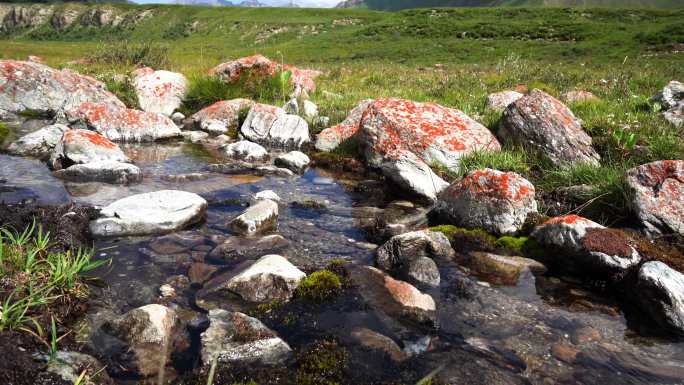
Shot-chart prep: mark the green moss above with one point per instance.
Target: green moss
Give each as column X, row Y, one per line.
column 4, row 132
column 319, row 286
column 475, row 237
column 523, row 246
column 321, row 363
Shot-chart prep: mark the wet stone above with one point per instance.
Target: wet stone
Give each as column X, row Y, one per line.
column 240, row 248
column 375, row 341
column 564, row 352
column 260, row 217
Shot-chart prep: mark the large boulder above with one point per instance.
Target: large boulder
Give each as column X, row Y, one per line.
column 30, row 86
column 272, row 126
column 238, row 339
column 402, row 138
column 657, row 189
column 295, row 161
column 496, row 201
column 259, row 217
column 84, row 146
column 122, row 124
column 150, row 213
column 660, row 290
column 328, row 139
column 107, row 171
column 540, row 121
column 39, row 143
column 160, row 92
column 499, row 101
column 246, row 151
column 224, row 114
column 671, row 95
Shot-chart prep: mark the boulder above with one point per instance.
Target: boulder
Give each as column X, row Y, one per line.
column 178, row 118
column 122, row 124
column 328, row 139
column 107, row 171
column 660, row 290
column 241, row 248
column 395, row 298
column 240, row 168
column 30, row 86
column 83, row 146
column 423, row 270
column 272, row 126
column 671, row 96
column 270, row 278
column 156, row 212
column 295, row 161
column 38, row 144
column 541, row 122
column 238, row 339
column 160, row 92
column 223, row 116
column 402, row 138
column 578, row 96
column 260, row 217
column 496, row 201
column 499, row 101
column 195, row 136
column 246, row 151
column 656, row 189
column 675, row 115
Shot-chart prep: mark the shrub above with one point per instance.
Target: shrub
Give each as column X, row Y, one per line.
column 319, row 286
column 132, row 53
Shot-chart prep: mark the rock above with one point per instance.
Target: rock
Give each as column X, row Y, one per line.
column 395, row 298
column 177, row 118
column 292, row 106
column 246, row 151
column 309, row 111
column 238, row 339
column 270, row 278
column 38, row 144
column 146, row 330
column 160, row 92
column 184, row 178
column 328, row 139
column 107, row 171
column 671, row 96
column 167, row 291
column 578, row 96
column 503, row 269
column 295, row 161
column 376, row 341
column 660, row 290
column 240, row 248
column 266, row 194
column 224, row 114
column 401, row 138
column 501, row 100
column 122, row 124
column 382, row 224
column 585, row 335
column 656, row 189
column 260, row 217
column 70, row 365
column 239, row 167
column 271, row 126
column 83, row 146
column 564, row 352
column 194, row 136
column 150, row 213
column 675, row 115
column 201, row 272
column 35, row 59
column 540, row 121
column 496, row 201
column 406, row 253
column 35, row 87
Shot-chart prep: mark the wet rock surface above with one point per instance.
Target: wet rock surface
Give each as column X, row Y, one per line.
column 661, row 290
column 107, row 171
column 260, row 217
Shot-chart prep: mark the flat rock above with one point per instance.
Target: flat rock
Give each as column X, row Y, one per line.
column 223, row 115
column 375, row 341
column 272, row 126
column 195, row 136
column 150, row 213
column 246, row 151
column 295, row 161
column 38, row 144
column 84, row 146
column 660, row 290
column 160, row 92
column 328, row 139
column 241, row 248
column 70, row 365
column 502, row 269
column 260, row 217
column 499, row 101
column 107, row 171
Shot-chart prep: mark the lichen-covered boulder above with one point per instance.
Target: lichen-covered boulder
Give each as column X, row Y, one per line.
column 157, row 212
column 107, row 171
column 224, row 114
column 39, row 143
column 328, row 139
column 122, row 124
column 499, row 101
column 402, row 138
column 541, row 122
column 246, row 151
column 272, row 126
column 660, row 290
column 295, row 161
column 259, row 217
column 496, row 201
column 30, row 86
column 84, row 146
column 657, row 189
column 160, row 92
column 236, row 338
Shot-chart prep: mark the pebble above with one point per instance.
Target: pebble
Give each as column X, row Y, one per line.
column 564, row 352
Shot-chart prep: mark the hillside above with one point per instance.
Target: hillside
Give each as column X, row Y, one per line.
column 395, row 5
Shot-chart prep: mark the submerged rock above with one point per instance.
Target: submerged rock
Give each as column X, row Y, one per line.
column 236, row 338
column 150, row 213
column 660, row 290
column 246, row 151
column 107, row 171
column 496, row 201
column 160, row 92
column 328, row 139
column 83, row 146
column 241, row 248
column 657, row 189
column 224, row 114
column 375, row 341
column 295, row 161
column 503, row 269
column 547, row 125
column 40, row 143
column 260, row 217
column 501, row 100
column 272, row 126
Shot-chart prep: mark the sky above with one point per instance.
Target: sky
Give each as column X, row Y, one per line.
column 302, row 3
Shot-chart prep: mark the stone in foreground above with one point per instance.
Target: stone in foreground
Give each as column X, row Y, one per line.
column 542, row 122
column 496, row 201
column 84, row 146
column 270, row 278
column 272, row 126
column 260, row 217
column 160, row 92
column 38, row 144
column 660, row 290
column 657, row 189
column 157, row 212
column 295, row 161
column 107, row 171
column 236, row 338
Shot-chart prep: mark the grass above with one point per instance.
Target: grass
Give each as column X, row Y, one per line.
column 132, row 53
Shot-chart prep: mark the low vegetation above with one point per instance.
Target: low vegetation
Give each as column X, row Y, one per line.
column 319, row 286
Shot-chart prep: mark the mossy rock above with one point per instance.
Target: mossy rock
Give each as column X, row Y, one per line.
column 321, row 363
column 319, row 286
column 477, row 238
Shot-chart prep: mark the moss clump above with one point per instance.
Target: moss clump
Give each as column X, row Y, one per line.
column 321, row 363
column 512, row 244
column 476, row 237
column 319, row 286
column 4, row 132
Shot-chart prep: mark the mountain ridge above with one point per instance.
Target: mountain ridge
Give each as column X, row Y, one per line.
column 397, row 5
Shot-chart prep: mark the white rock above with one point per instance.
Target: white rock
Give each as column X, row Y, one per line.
column 40, row 143
column 160, row 92
column 501, row 100
column 195, row 136
column 272, row 126
column 272, row 277
column 84, row 146
column 213, row 127
column 107, row 171
column 266, row 194
column 257, row 218
column 294, row 160
column 246, row 150
column 309, row 110
column 150, row 213
column 660, row 290
column 177, row 117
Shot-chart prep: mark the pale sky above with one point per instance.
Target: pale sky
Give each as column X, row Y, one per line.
column 301, row 3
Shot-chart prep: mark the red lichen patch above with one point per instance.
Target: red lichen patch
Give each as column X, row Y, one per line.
column 656, row 173
column 495, row 184
column 76, row 136
column 258, row 65
column 568, row 220
column 609, row 242
column 225, row 110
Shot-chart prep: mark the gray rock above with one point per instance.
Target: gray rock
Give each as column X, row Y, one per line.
column 70, row 365
column 40, row 143
column 295, row 161
column 660, row 290
column 83, row 146
column 423, row 270
column 240, row 167
column 235, row 338
column 177, row 118
column 150, row 213
column 328, row 139
column 270, row 278
column 260, row 217
column 671, row 95
column 225, row 115
column 501, row 100
column 160, row 92
column 246, row 151
column 309, row 111
column 241, row 248
column 272, row 126
column 376, row 341
column 107, row 171
column 195, row 136
column 502, row 269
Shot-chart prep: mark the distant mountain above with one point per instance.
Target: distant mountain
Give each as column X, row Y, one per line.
column 252, row 4
column 396, row 5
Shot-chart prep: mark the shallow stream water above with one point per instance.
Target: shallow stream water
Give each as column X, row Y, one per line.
column 531, row 332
